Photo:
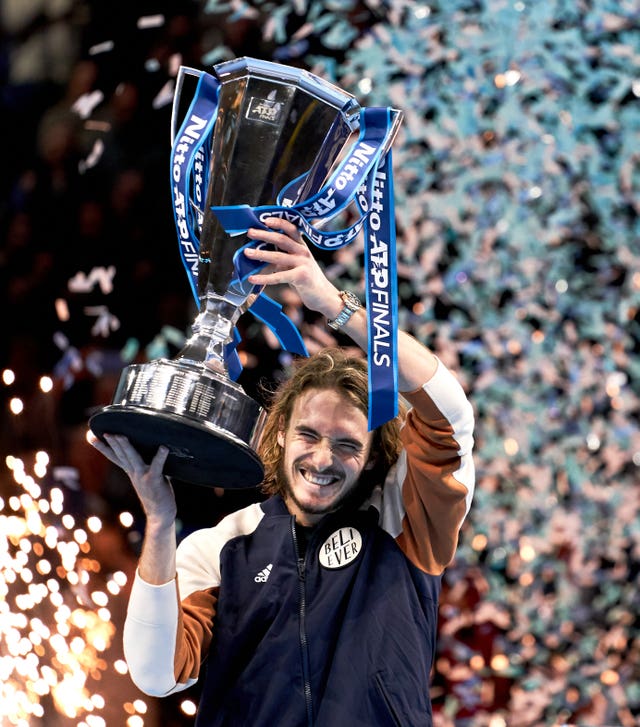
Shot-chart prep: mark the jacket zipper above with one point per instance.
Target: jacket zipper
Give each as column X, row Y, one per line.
column 304, row 647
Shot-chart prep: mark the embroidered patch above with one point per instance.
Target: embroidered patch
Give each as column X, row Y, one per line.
column 340, row 548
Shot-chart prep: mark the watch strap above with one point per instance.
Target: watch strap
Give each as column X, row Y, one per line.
column 351, row 305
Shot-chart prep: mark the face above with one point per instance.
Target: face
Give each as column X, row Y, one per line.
column 326, row 448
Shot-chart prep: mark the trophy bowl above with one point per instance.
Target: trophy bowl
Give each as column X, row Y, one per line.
column 272, row 124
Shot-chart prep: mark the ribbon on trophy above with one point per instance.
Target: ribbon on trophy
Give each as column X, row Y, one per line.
column 190, row 154
column 363, row 177
column 188, row 150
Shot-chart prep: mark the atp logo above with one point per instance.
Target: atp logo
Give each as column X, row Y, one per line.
column 265, row 109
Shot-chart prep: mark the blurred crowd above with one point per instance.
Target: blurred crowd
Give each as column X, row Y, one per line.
column 517, row 179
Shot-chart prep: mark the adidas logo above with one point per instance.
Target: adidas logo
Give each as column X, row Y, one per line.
column 264, row 574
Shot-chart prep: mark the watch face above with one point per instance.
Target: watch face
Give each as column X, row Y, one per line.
column 351, row 305
column 351, row 300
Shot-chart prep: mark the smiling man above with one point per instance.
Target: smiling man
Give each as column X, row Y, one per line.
column 326, row 449
column 319, row 605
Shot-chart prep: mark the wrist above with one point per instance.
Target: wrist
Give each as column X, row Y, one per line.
column 158, row 525
column 349, row 305
column 331, row 305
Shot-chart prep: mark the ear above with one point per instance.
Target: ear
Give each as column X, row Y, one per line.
column 280, row 436
column 372, row 461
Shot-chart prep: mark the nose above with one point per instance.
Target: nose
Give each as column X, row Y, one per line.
column 322, row 454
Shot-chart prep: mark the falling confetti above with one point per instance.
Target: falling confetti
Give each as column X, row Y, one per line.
column 517, row 181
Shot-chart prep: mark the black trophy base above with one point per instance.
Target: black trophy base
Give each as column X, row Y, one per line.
column 199, row 452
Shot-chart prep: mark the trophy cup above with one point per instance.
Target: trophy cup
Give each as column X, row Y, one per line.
column 273, row 124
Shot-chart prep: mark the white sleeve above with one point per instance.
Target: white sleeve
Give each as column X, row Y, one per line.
column 149, row 637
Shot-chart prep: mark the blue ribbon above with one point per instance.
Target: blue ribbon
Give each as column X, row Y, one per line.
column 195, row 131
column 366, row 176
column 382, row 296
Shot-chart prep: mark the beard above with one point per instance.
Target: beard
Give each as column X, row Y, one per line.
column 352, row 499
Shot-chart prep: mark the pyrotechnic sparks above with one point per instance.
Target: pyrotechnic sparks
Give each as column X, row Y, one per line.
column 55, row 619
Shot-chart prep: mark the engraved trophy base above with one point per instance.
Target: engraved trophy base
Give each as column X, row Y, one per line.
column 206, row 420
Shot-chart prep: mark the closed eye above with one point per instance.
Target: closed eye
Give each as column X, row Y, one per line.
column 307, row 434
column 349, row 446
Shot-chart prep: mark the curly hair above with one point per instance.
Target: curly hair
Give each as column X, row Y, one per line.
column 330, row 368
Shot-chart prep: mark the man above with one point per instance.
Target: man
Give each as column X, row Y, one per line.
column 319, row 605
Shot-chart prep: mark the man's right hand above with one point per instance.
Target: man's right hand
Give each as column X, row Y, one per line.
column 153, row 488
column 157, row 564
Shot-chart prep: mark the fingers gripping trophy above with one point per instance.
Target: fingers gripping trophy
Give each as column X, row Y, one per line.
column 250, row 140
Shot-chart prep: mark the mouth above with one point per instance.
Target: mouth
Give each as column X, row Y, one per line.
column 320, row 480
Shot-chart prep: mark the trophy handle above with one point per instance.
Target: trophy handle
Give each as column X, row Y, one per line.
column 175, row 115
column 398, row 115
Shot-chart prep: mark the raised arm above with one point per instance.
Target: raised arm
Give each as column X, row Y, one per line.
column 157, row 564
column 161, row 658
column 434, row 479
column 294, row 264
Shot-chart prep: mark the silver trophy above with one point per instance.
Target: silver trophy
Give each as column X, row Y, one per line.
column 274, row 123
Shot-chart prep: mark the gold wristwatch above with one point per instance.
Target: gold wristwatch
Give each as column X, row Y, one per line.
column 351, row 305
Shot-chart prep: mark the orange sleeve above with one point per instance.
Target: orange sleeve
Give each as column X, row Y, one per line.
column 436, row 472
column 196, row 619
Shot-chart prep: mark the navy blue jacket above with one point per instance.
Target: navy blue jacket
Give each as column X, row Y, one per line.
column 272, row 638
column 344, row 635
